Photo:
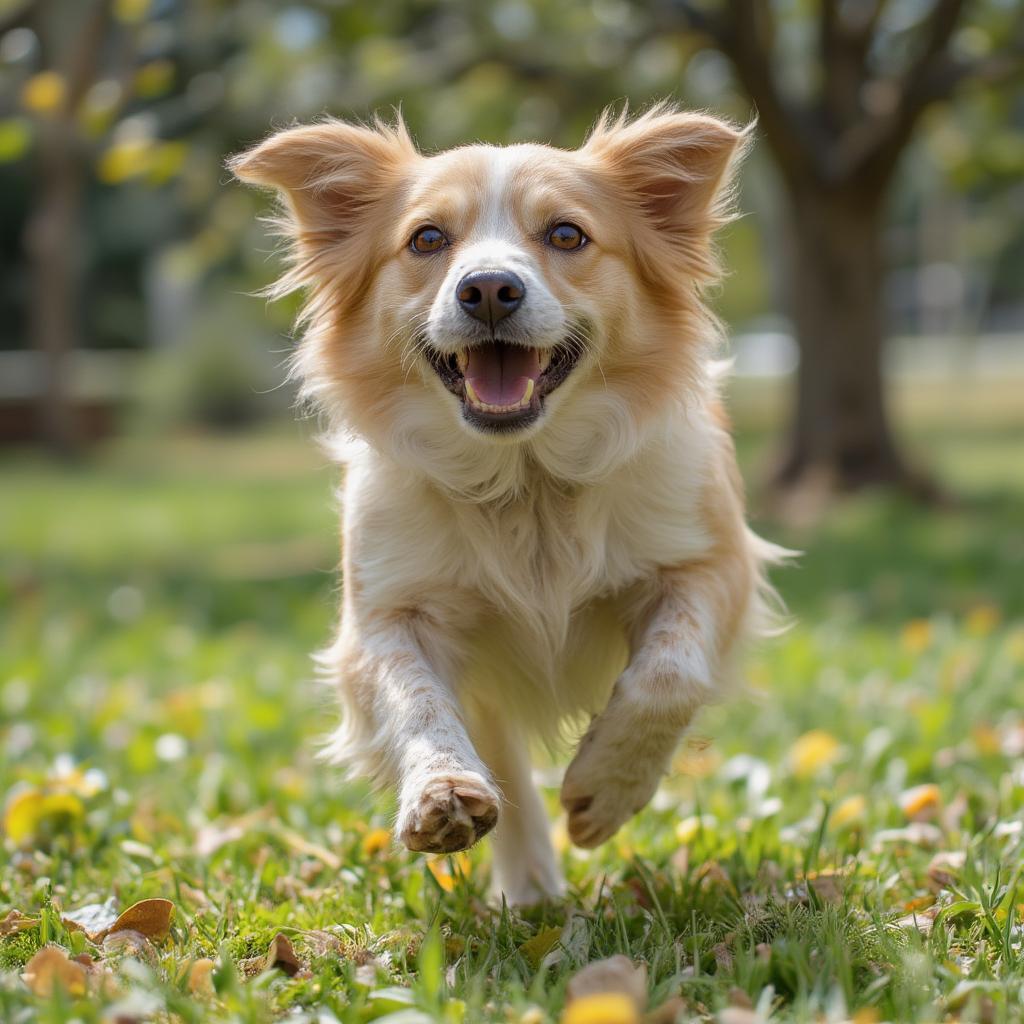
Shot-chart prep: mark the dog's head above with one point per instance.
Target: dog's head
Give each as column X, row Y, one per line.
column 486, row 285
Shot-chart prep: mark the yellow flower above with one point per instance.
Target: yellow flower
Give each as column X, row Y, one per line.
column 689, row 828
column 602, row 1008
column 917, row 636
column 154, row 78
column 131, row 11
column 124, row 160
column 813, row 751
column 375, row 841
column 850, row 811
column 447, row 869
column 35, row 813
column 44, row 93
column 982, row 620
column 921, row 802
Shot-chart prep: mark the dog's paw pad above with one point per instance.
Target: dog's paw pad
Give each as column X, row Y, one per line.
column 448, row 813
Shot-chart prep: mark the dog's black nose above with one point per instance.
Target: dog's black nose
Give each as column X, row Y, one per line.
column 490, row 295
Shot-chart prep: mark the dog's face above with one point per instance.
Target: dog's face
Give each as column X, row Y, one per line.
column 494, row 281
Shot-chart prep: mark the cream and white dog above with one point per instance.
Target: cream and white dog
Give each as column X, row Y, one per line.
column 542, row 515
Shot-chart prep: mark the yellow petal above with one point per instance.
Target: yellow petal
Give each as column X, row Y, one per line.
column 34, row 813
column 375, row 841
column 446, row 869
column 921, row 802
column 604, row 1008
column 812, row 752
column 982, row 620
column 850, row 811
column 917, row 636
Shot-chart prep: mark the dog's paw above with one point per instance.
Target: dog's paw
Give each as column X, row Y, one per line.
column 447, row 812
column 610, row 779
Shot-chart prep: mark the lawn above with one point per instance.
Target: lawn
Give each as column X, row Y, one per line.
column 842, row 842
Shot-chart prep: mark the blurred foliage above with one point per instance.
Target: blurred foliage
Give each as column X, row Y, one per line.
column 175, row 85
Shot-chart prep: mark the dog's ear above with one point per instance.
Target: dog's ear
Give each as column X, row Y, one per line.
column 328, row 173
column 675, row 165
column 675, row 168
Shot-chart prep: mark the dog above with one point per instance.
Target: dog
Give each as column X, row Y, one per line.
column 543, row 520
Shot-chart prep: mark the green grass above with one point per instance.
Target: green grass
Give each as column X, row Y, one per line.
column 158, row 608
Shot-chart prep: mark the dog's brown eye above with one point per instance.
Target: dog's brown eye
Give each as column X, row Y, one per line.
column 566, row 236
column 428, row 239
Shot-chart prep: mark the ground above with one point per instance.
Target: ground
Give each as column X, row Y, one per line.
column 843, row 841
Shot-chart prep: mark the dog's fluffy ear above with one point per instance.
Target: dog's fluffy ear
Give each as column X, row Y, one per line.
column 676, row 168
column 329, row 172
column 674, row 163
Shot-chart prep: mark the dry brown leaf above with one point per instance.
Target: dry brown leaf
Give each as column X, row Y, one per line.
column 150, row 918
column 15, row 921
column 200, row 978
column 616, row 974
column 51, row 971
column 668, row 1013
column 300, row 844
column 280, row 954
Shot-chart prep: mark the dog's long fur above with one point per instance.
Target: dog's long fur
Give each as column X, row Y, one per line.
column 595, row 562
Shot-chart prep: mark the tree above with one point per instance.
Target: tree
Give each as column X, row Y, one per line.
column 837, row 142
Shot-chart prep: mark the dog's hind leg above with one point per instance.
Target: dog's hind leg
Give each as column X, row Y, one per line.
column 525, row 868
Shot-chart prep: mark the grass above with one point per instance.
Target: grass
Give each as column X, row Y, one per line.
column 157, row 739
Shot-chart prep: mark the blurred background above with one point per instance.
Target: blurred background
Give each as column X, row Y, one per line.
column 883, row 242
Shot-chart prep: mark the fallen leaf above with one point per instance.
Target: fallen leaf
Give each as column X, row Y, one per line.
column 15, row 921
column 668, row 1013
column 300, row 844
column 95, row 919
column 617, row 975
column 200, row 978
column 604, row 1008
column 280, row 955
column 538, row 947
column 150, row 918
column 51, row 971
column 917, row 833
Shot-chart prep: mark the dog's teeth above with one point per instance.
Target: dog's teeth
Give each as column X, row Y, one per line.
column 528, row 394
column 544, row 359
column 462, row 358
column 473, row 397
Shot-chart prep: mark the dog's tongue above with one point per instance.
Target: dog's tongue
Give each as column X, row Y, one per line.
column 500, row 373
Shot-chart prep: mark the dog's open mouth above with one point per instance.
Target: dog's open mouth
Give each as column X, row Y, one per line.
column 502, row 385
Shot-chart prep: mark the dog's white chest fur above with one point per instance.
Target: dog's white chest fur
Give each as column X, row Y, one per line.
column 535, row 583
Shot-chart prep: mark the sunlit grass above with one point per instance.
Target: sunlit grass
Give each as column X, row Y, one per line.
column 159, row 608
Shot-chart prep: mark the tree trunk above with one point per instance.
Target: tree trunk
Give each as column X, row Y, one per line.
column 840, row 438
column 53, row 251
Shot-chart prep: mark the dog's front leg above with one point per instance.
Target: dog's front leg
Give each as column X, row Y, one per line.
column 678, row 640
column 403, row 721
